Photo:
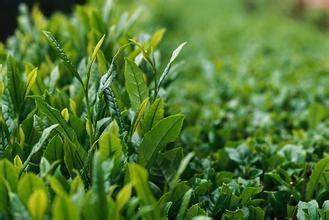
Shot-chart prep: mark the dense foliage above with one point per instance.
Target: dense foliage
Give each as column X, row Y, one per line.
column 100, row 120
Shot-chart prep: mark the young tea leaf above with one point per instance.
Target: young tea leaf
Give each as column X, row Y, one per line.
column 172, row 59
column 97, row 47
column 38, row 204
column 61, row 54
column 30, row 80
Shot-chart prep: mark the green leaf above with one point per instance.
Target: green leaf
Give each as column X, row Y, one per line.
column 184, row 205
column 135, row 84
column 75, row 156
column 194, row 211
column 38, row 204
column 123, row 196
column 109, row 142
column 101, row 63
column 172, row 59
column 168, row 162
column 2, row 88
column 164, row 132
column 4, row 199
column 64, row 208
column 15, row 83
column 27, row 185
column 153, row 115
column 97, row 47
column 37, row 147
column 233, row 215
column 9, row 174
column 256, row 213
column 17, row 209
column 316, row 113
column 325, row 210
column 139, row 116
column 307, row 210
column 98, row 200
column 8, row 182
column 156, row 39
column 181, row 168
column 56, row 186
column 55, row 117
column 320, row 168
column 248, row 192
column 138, row 177
column 54, row 149
column 30, row 80
column 61, row 54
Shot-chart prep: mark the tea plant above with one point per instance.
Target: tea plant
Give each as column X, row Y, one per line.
column 101, row 121
column 80, row 130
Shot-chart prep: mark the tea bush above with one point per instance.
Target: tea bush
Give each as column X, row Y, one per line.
column 97, row 124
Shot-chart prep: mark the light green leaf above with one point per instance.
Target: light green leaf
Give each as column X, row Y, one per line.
column 123, row 196
column 38, row 204
column 164, row 132
column 172, row 59
column 27, row 185
column 2, row 88
column 56, row 186
column 156, row 39
column 97, row 47
column 138, row 177
column 135, row 84
column 101, row 63
column 30, row 80
column 65, row 114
